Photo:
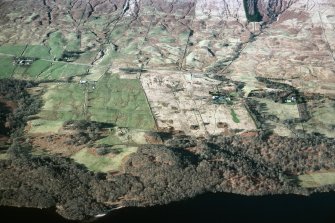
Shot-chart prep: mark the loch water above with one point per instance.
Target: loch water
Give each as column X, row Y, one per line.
column 206, row 208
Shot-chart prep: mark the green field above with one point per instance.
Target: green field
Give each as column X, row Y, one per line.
column 60, row 70
column 44, row 68
column 128, row 137
column 57, row 43
column 117, row 101
column 38, row 51
column 111, row 139
column 6, row 66
column 37, row 68
column 111, row 100
column 282, row 110
column 43, row 126
column 122, row 102
column 234, row 116
column 87, row 57
column 73, row 42
column 14, row 50
column 109, row 55
column 40, row 69
column 104, row 163
column 317, row 179
column 63, row 102
column 322, row 119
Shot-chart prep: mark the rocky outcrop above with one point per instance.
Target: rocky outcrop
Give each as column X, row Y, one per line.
column 265, row 10
column 270, row 9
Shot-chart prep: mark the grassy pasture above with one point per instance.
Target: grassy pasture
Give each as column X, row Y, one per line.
column 96, row 72
column 15, row 50
column 38, row 51
column 98, row 22
column 322, row 120
column 158, row 31
column 317, row 179
column 282, row 111
column 63, row 102
column 122, row 102
column 110, row 53
column 57, row 43
column 60, row 70
column 42, row 126
column 118, row 32
column 130, row 137
column 167, row 40
column 111, row 139
column 20, row 71
column 87, row 57
column 117, row 101
column 73, row 42
column 41, row 68
column 64, row 97
column 55, row 71
column 109, row 162
column 6, row 66
column 37, row 68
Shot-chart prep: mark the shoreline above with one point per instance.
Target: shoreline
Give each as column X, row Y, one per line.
column 208, row 203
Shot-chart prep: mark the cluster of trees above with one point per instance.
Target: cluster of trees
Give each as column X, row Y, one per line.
column 132, row 70
column 70, row 56
column 277, row 85
column 44, row 181
column 258, row 110
column 4, row 112
column 276, row 96
column 289, row 90
column 303, row 112
column 251, row 11
column 27, row 104
column 159, row 174
column 230, row 164
column 86, row 132
column 104, row 149
column 258, row 113
column 292, row 156
column 156, row 174
column 261, row 117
